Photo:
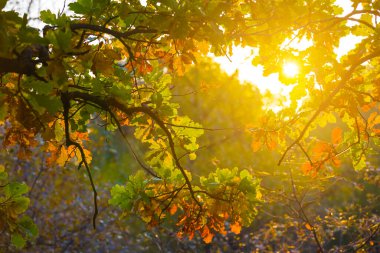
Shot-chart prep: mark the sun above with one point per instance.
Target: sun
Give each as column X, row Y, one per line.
column 290, row 69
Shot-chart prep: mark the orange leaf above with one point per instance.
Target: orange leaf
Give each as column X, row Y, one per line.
column 173, row 209
column 205, row 231
column 182, row 220
column 308, row 226
column 271, row 145
column 336, row 161
column 222, row 230
column 336, row 136
column 207, row 236
column 321, row 148
column 256, row 145
column 235, row 228
column 191, row 235
column 306, row 168
column 369, row 106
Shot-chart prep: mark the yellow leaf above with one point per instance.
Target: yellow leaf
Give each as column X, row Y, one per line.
column 146, row 218
column 308, row 226
column 203, row 46
column 192, row 156
column 63, row 157
column 178, row 66
column 88, row 155
column 258, row 194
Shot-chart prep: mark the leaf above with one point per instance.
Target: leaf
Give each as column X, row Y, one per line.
column 63, row 157
column 256, row 145
column 28, row 227
column 308, row 226
column 17, row 189
column 192, row 156
column 361, row 164
column 173, row 209
column 48, row 17
column 307, row 168
column 20, row 205
column 336, row 136
column 235, row 227
column 178, row 66
column 102, row 64
column 207, row 235
column 271, row 144
column 81, row 6
column 18, row 241
column 3, row 3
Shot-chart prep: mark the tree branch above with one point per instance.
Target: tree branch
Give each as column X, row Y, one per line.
column 117, row 34
column 69, row 142
column 106, row 103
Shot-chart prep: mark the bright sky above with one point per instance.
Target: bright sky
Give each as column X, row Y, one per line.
column 242, row 58
column 22, row 6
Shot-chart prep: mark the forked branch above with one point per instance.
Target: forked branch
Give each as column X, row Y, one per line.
column 70, row 142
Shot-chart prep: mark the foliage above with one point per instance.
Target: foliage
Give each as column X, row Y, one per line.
column 119, row 64
column 13, row 204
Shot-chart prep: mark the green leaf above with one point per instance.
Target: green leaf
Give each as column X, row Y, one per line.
column 81, row 7
column 40, row 87
column 157, row 99
column 51, row 104
column 17, row 189
column 20, row 205
column 28, row 227
column 18, row 241
column 61, row 38
column 3, row 176
column 59, row 132
column 48, row 17
column 2, row 4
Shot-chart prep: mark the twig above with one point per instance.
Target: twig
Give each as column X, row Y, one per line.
column 304, row 214
column 69, row 142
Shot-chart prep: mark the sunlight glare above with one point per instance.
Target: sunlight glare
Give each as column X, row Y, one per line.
column 290, row 69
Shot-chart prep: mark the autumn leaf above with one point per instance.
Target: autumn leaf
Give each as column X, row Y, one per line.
column 308, row 226
column 271, row 144
column 207, row 235
column 178, row 66
column 336, row 136
column 173, row 209
column 63, row 156
column 235, row 227
column 256, row 145
column 306, row 168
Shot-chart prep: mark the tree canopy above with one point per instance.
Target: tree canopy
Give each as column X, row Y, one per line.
column 208, row 159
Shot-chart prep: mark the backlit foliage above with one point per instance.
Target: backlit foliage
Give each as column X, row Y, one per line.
column 118, row 64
